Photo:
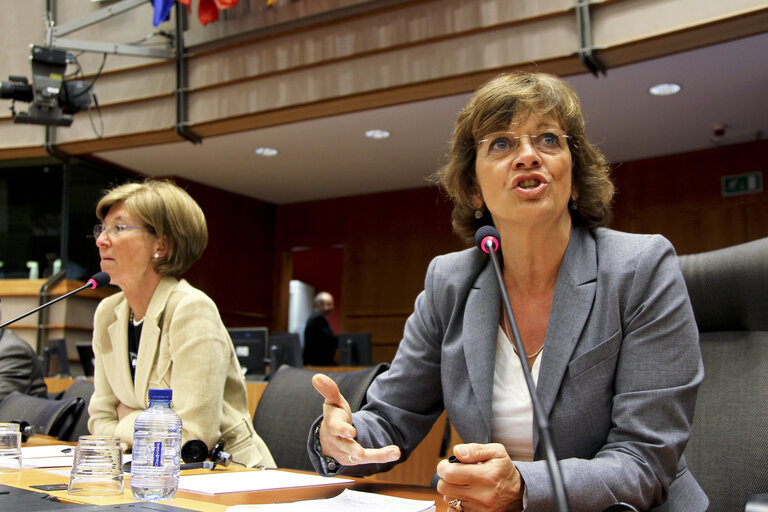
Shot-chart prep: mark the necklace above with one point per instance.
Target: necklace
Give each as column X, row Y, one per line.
column 507, row 331
column 135, row 322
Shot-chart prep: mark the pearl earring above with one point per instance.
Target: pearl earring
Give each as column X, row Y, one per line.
column 156, row 255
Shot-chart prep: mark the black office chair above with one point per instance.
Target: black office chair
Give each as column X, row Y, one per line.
column 728, row 451
column 56, row 418
column 83, row 389
column 290, row 404
column 355, row 349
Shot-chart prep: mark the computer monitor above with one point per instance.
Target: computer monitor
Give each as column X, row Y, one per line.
column 355, row 349
column 55, row 358
column 87, row 359
column 284, row 348
column 251, row 349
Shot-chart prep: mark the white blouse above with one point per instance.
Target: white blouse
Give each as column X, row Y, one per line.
column 512, row 410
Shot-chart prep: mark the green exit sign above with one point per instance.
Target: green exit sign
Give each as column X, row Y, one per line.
column 738, row 184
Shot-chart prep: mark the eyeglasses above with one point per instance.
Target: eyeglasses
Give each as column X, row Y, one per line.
column 502, row 144
column 114, row 231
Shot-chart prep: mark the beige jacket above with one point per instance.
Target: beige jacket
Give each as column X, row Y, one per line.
column 185, row 347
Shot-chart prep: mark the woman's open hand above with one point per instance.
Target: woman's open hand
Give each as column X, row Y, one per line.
column 337, row 434
column 486, row 479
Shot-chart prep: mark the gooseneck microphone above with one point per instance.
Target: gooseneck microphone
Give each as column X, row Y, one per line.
column 96, row 281
column 487, row 238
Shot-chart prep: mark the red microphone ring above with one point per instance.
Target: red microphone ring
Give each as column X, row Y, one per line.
column 495, row 243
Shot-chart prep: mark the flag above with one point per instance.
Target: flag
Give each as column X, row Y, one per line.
column 162, row 11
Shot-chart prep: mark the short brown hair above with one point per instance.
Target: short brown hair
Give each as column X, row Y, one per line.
column 168, row 211
column 492, row 108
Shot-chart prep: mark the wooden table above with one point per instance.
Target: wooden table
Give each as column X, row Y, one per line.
column 217, row 502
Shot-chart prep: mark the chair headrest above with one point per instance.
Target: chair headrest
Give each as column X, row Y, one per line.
column 729, row 287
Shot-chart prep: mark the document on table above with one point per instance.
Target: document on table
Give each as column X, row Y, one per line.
column 52, row 456
column 217, row 483
column 347, row 501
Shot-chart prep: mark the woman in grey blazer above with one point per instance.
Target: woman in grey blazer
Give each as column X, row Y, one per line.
column 604, row 317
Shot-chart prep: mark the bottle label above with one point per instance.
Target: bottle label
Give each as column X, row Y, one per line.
column 157, row 454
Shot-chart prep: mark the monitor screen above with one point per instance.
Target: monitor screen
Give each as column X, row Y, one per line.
column 251, row 348
column 85, row 352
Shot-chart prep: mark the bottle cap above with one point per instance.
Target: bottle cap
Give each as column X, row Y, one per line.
column 160, row 394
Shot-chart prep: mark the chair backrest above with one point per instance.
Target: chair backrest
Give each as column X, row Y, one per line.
column 55, row 418
column 290, row 404
column 728, row 450
column 83, row 389
column 284, row 348
column 355, row 349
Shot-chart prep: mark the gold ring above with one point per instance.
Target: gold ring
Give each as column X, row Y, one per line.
column 455, row 505
column 350, row 459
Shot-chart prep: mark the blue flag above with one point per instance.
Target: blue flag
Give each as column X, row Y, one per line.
column 162, row 11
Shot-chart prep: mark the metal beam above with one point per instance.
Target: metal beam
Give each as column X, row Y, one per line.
column 586, row 50
column 115, row 48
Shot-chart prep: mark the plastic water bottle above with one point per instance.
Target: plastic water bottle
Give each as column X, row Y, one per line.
column 156, row 454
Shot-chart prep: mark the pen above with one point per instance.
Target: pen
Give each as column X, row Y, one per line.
column 454, row 460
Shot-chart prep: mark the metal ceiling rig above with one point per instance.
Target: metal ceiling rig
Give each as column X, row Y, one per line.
column 54, row 40
column 586, row 50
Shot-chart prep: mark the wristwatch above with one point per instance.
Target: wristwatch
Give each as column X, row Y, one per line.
column 331, row 464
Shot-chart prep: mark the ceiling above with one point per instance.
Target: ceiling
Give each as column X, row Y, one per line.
column 722, row 85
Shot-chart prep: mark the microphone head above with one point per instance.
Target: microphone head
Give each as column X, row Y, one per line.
column 194, row 450
column 486, row 233
column 98, row 280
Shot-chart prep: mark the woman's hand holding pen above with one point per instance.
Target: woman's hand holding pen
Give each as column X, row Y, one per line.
column 337, row 433
column 485, row 480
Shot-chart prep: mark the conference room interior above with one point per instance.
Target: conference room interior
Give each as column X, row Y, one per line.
column 365, row 226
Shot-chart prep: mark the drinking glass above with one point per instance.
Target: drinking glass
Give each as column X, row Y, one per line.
column 10, row 447
column 97, row 469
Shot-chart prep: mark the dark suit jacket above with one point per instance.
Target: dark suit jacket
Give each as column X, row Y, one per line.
column 319, row 342
column 20, row 369
column 619, row 372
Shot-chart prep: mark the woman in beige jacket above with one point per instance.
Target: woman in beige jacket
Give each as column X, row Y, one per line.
column 160, row 332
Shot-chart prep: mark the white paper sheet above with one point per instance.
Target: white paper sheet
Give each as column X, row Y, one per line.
column 38, row 452
column 47, row 462
column 218, row 483
column 347, row 501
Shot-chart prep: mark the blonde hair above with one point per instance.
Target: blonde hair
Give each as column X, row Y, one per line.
column 169, row 212
column 492, row 108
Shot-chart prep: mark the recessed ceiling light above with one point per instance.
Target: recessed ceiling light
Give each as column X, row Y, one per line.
column 377, row 134
column 664, row 89
column 266, row 151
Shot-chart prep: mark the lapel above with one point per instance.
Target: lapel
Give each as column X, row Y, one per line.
column 574, row 296
column 482, row 321
column 150, row 337
column 115, row 351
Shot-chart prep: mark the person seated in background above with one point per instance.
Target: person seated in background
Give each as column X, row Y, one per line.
column 159, row 331
column 20, row 368
column 604, row 318
column 319, row 342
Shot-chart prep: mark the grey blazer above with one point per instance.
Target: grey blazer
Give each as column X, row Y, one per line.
column 618, row 379
column 20, row 368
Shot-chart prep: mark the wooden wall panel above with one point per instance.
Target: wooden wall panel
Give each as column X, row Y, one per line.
column 388, row 240
column 237, row 268
column 679, row 196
